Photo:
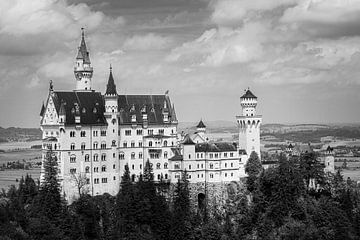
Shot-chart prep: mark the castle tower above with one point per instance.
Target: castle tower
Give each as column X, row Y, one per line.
column 329, row 160
column 83, row 70
column 249, row 124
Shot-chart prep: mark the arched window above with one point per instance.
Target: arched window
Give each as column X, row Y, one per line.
column 87, row 158
column 133, row 177
column 166, row 176
column 150, row 144
column 124, row 144
column 165, row 143
column 165, row 155
column 113, row 143
column 132, row 155
column 158, row 176
column 211, row 166
column 165, row 165
column 158, row 166
column 72, row 158
column 95, row 145
column 103, row 145
column 103, row 168
column 103, row 157
column 96, row 157
column 114, row 120
column 87, row 169
column 72, row 146
column 121, row 156
column 82, row 146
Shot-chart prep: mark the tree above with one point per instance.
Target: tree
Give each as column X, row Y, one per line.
column 311, row 169
column 181, row 221
column 48, row 202
column 81, row 183
column 253, row 168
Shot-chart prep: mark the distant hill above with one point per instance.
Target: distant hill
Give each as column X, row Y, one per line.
column 19, row 134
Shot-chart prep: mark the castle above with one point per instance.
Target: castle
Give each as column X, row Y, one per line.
column 94, row 136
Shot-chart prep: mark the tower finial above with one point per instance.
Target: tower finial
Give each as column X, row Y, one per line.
column 51, row 87
column 110, row 68
column 82, row 32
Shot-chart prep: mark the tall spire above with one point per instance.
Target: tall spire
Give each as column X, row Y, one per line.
column 82, row 52
column 83, row 70
column 111, row 87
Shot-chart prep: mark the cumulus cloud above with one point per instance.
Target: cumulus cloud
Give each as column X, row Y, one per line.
column 232, row 12
column 219, row 47
column 149, row 41
column 325, row 17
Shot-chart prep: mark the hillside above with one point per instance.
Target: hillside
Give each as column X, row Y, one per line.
column 19, row 134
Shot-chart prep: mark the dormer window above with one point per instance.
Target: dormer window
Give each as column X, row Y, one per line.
column 83, row 110
column 133, row 118
column 73, row 110
column 95, row 110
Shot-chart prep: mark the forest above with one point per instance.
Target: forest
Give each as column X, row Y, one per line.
column 294, row 200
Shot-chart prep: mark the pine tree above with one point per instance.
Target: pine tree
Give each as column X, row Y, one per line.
column 124, row 225
column 181, row 228
column 253, row 168
column 49, row 201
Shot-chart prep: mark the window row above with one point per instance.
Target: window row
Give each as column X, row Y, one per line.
column 103, row 180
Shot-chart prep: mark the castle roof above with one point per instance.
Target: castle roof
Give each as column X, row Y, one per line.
column 188, row 141
column 201, row 124
column 215, row 147
column 111, row 87
column 152, row 105
column 82, row 52
column 42, row 111
column 248, row 94
column 89, row 105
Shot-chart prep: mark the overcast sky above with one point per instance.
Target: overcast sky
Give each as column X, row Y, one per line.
column 300, row 57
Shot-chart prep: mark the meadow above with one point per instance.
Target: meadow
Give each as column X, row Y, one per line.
column 9, row 177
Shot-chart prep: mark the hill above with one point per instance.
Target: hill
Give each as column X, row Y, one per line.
column 19, row 134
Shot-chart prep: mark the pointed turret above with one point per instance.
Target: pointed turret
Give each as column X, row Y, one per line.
column 201, row 124
column 188, row 141
column 111, row 87
column 173, row 114
column 82, row 52
column 83, row 70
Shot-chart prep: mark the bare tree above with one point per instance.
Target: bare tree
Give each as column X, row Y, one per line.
column 81, row 182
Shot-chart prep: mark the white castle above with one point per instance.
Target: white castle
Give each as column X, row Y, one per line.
column 94, row 136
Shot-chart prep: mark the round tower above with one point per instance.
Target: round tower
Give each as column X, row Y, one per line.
column 83, row 70
column 249, row 124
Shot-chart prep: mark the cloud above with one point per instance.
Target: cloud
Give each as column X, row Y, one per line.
column 149, row 41
column 233, row 12
column 325, row 17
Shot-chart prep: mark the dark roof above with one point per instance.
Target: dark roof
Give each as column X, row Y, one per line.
column 111, row 87
column 248, row 94
column 290, row 146
column 177, row 154
column 215, row 147
column 153, row 105
column 188, row 141
column 82, row 52
column 329, row 149
column 42, row 111
column 201, row 124
column 89, row 105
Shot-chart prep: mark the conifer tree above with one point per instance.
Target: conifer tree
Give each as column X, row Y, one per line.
column 49, row 203
column 253, row 168
column 181, row 228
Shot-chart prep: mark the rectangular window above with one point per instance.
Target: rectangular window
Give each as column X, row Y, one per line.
column 139, row 132
column 104, row 180
column 161, row 131
column 95, row 133
column 127, row 132
column 72, row 170
column 103, row 133
column 231, row 154
column 96, row 181
column 132, row 144
column 150, row 132
column 82, row 134
column 225, row 155
column 140, row 155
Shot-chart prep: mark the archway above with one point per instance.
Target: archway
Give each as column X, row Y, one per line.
column 201, row 201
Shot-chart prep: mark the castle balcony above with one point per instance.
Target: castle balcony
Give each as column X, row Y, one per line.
column 85, row 69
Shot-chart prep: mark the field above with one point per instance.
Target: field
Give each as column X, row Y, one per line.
column 9, row 177
column 27, row 155
column 353, row 174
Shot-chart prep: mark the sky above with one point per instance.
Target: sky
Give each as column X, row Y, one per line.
column 301, row 58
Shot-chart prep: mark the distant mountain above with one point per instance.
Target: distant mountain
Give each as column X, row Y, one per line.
column 19, row 134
